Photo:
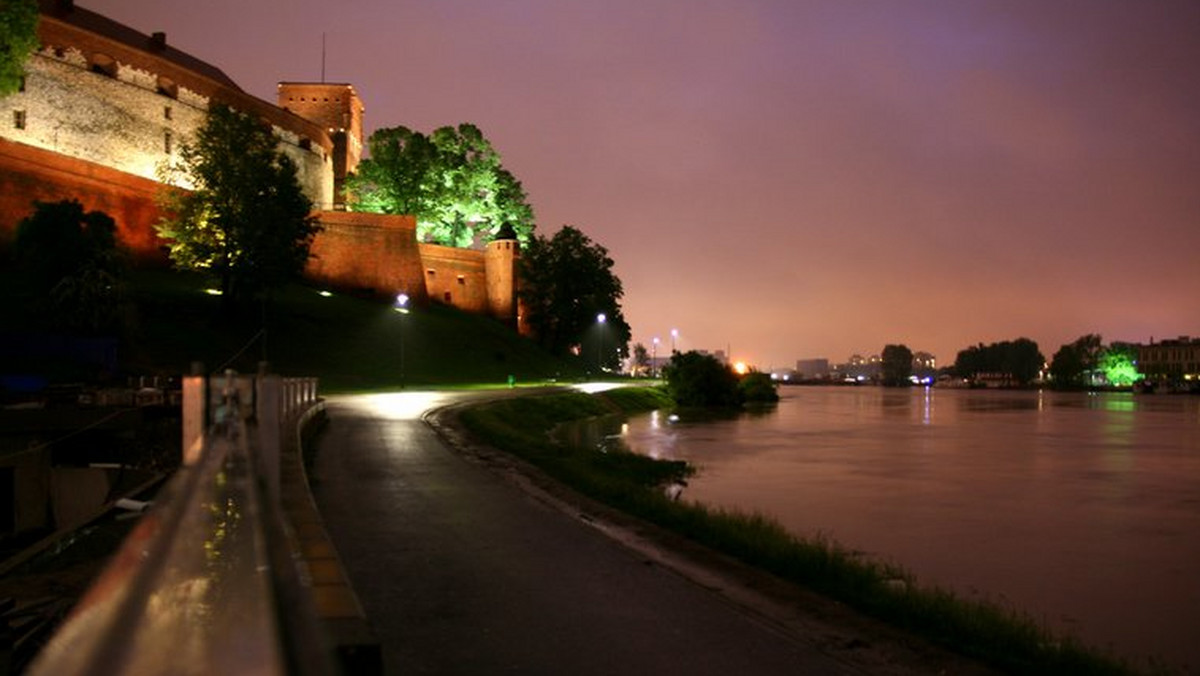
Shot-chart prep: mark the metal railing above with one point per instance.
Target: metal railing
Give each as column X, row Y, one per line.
column 207, row 582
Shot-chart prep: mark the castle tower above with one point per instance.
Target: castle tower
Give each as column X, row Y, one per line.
column 337, row 108
column 500, row 272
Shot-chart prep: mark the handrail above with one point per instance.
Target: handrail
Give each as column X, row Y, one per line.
column 206, row 582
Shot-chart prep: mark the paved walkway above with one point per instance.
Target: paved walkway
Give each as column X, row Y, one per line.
column 461, row 572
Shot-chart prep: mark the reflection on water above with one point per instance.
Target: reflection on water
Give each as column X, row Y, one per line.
column 1080, row 509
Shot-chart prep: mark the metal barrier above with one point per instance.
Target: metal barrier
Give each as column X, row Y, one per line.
column 207, row 582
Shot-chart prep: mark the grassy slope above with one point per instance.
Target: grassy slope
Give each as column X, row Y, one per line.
column 351, row 343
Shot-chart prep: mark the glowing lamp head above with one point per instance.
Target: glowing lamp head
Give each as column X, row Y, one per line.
column 740, row 368
column 401, row 304
column 601, row 318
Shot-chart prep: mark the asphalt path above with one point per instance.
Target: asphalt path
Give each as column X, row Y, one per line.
column 460, row 571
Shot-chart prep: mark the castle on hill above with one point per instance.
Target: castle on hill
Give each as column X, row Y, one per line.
column 102, row 106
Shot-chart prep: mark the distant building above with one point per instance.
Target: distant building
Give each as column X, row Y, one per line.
column 812, row 369
column 860, row 369
column 1170, row 360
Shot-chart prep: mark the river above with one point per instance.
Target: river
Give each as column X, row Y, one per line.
column 1082, row 510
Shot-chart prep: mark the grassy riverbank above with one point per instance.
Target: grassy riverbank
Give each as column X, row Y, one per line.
column 996, row 635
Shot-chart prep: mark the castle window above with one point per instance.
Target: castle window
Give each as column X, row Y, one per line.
column 430, row 272
column 446, row 296
column 167, row 142
column 462, row 280
column 21, row 84
column 167, row 112
column 18, row 119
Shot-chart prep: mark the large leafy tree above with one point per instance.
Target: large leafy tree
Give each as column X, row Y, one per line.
column 452, row 181
column 695, row 379
column 1075, row 361
column 567, row 282
column 71, row 266
column 1118, row 363
column 897, row 365
column 18, row 39
column 246, row 218
column 1020, row 359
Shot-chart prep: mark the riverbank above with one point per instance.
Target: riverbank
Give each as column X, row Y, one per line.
column 997, row 636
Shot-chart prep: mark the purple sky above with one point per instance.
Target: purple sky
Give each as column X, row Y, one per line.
column 800, row 179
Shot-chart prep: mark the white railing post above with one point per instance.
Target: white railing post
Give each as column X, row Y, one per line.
column 195, row 414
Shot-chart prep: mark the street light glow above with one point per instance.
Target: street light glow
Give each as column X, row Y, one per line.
column 601, row 318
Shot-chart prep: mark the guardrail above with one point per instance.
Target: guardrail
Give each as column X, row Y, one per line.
column 208, row 581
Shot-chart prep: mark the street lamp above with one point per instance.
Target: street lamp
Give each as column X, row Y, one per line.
column 401, row 306
column 654, row 358
column 674, row 335
column 600, row 319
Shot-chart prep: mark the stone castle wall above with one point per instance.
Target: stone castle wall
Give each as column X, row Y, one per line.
column 104, row 107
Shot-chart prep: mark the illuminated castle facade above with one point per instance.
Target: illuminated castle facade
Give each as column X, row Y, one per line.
column 103, row 106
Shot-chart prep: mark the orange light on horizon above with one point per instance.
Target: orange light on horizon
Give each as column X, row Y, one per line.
column 740, row 368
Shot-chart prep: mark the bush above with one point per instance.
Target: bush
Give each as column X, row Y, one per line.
column 695, row 379
column 758, row 388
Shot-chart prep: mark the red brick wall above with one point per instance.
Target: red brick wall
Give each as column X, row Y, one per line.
column 28, row 174
column 455, row 277
column 373, row 252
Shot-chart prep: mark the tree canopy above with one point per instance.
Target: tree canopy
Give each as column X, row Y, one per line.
column 695, row 379
column 72, row 259
column 451, row 181
column 1019, row 359
column 567, row 281
column 247, row 218
column 897, row 365
column 18, row 39
column 1086, row 361
column 1074, row 362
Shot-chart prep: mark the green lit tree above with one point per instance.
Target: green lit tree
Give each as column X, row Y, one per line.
column 567, row 282
column 897, row 365
column 18, row 39
column 247, row 220
column 451, row 181
column 1118, row 363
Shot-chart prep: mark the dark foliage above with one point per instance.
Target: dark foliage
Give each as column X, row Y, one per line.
column 695, row 379
column 567, row 281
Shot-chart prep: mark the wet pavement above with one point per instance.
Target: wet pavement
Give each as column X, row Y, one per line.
column 461, row 572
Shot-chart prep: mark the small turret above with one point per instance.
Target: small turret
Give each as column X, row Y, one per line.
column 500, row 270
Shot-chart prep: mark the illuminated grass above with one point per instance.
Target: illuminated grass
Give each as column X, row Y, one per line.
column 999, row 636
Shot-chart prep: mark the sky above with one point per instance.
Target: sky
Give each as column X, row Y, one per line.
column 791, row 179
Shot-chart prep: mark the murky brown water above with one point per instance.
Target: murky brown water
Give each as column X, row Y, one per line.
column 1082, row 510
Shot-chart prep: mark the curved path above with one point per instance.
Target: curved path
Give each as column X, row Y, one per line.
column 461, row 572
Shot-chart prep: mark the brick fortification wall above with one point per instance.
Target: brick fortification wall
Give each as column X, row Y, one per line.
column 376, row 253
column 103, row 107
column 28, row 174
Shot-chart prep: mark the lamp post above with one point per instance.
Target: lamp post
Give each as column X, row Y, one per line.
column 654, row 358
column 674, row 335
column 401, row 306
column 600, row 319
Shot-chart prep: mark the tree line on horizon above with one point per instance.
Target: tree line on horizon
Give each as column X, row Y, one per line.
column 1082, row 363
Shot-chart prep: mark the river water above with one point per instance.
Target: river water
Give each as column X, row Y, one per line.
column 1082, row 510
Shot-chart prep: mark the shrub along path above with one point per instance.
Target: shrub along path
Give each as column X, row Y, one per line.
column 461, row 571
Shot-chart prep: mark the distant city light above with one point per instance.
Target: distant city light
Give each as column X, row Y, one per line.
column 740, row 368
column 213, row 292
